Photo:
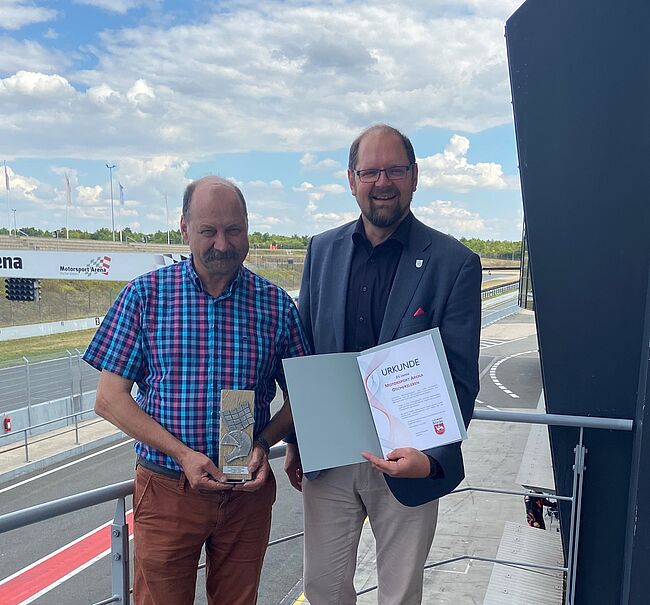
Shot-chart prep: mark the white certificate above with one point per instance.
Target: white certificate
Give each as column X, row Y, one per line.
column 398, row 394
column 409, row 398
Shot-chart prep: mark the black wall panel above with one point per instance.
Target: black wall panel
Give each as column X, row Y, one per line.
column 579, row 73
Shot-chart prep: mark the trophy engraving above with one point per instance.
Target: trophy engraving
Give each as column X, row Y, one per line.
column 236, row 433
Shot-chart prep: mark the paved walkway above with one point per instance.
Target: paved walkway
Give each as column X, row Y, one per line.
column 54, row 446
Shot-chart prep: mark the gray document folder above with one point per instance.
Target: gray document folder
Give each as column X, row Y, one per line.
column 330, row 411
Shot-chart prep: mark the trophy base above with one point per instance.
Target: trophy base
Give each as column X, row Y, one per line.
column 236, row 474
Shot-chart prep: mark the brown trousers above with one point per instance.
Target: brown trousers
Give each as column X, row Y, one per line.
column 172, row 522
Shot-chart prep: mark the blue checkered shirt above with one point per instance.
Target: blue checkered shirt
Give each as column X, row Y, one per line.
column 182, row 346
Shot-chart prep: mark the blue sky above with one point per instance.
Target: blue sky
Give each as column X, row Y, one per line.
column 269, row 94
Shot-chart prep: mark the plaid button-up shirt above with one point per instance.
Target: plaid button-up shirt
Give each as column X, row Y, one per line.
column 182, row 346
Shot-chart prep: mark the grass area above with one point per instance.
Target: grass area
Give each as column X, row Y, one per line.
column 60, row 300
column 499, row 262
column 39, row 348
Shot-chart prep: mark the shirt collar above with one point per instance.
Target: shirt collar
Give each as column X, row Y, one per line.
column 401, row 234
column 193, row 277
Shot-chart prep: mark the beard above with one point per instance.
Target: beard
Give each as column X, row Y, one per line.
column 382, row 216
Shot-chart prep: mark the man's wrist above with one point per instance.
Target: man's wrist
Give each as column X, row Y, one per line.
column 264, row 444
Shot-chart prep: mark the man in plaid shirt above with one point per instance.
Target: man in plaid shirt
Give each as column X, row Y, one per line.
column 184, row 333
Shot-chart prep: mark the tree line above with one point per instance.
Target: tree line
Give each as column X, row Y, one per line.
column 485, row 248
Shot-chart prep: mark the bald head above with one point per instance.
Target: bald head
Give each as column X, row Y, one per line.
column 383, row 129
column 211, row 182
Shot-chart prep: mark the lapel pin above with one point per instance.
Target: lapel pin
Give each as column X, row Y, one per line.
column 418, row 263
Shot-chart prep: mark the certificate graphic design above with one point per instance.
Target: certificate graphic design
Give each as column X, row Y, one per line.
column 408, row 396
column 399, row 394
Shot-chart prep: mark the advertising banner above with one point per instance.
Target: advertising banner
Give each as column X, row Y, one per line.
column 102, row 266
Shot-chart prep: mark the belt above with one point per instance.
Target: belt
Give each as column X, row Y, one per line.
column 156, row 468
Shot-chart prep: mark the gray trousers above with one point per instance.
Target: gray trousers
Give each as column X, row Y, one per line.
column 336, row 504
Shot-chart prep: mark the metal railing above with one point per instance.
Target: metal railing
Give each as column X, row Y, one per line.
column 119, row 491
column 499, row 290
column 25, row 442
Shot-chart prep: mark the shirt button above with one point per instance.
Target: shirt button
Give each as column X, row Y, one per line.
column 361, row 319
column 364, row 289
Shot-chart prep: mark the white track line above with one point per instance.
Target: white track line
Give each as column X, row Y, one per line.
column 493, row 372
column 58, row 468
column 69, row 575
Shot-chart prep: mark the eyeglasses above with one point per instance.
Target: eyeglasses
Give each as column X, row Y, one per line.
column 394, row 173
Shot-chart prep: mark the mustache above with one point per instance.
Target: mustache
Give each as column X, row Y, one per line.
column 389, row 190
column 216, row 255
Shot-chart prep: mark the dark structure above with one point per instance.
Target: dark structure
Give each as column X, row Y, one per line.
column 580, row 75
column 526, row 300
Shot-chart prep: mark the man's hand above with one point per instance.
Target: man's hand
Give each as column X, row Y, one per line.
column 406, row 462
column 201, row 472
column 259, row 468
column 292, row 466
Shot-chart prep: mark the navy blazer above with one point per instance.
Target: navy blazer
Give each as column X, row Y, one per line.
column 437, row 274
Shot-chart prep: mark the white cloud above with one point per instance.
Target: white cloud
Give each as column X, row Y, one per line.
column 277, row 76
column 18, row 13
column 23, row 187
column 120, row 7
column 28, row 55
column 332, row 188
column 451, row 169
column 35, row 85
column 446, row 217
column 302, row 77
column 318, row 192
column 256, row 221
column 309, row 161
column 325, row 220
column 140, row 94
column 146, row 182
column 274, row 184
column 89, row 196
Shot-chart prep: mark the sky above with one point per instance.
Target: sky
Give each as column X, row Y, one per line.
column 269, row 94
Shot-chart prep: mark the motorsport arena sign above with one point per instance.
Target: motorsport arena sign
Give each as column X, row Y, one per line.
column 102, row 266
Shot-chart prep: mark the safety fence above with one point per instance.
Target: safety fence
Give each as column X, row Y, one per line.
column 34, row 382
column 120, row 582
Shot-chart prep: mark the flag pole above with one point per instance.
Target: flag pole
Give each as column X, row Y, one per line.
column 67, row 203
column 7, row 194
column 167, row 217
column 119, row 208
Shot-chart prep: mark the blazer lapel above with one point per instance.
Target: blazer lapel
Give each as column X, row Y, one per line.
column 410, row 270
column 342, row 249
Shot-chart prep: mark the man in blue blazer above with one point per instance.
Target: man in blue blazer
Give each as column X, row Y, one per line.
column 371, row 281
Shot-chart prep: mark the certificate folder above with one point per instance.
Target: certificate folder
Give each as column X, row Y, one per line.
column 335, row 420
